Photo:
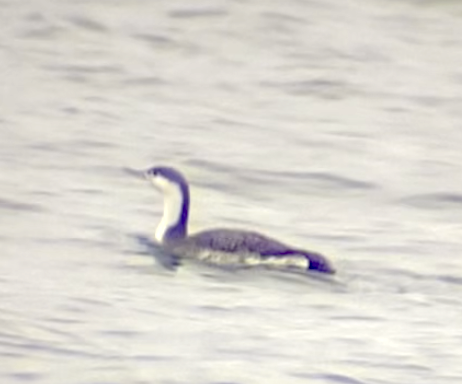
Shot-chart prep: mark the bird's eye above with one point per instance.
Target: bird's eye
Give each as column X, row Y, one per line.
column 152, row 172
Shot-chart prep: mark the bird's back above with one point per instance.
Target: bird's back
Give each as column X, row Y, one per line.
column 239, row 247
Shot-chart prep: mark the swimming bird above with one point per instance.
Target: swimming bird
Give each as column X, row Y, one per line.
column 220, row 246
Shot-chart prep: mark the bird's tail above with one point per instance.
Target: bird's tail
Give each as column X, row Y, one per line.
column 319, row 263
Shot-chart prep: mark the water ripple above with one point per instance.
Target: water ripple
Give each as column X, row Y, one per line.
column 13, row 205
column 441, row 200
column 198, row 13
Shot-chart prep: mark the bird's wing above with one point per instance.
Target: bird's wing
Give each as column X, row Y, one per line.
column 246, row 242
column 238, row 241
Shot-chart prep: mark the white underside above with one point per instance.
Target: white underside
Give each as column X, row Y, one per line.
column 173, row 201
column 253, row 259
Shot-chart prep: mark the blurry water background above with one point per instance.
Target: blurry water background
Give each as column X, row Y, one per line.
column 333, row 125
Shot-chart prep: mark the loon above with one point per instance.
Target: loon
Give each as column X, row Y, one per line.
column 220, row 246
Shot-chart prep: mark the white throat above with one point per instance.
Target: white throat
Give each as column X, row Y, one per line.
column 173, row 202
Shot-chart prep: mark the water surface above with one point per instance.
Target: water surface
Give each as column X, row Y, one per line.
column 332, row 125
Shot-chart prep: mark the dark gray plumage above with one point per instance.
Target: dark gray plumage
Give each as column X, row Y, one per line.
column 248, row 247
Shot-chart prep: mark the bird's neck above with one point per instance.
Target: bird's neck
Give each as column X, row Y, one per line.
column 174, row 223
